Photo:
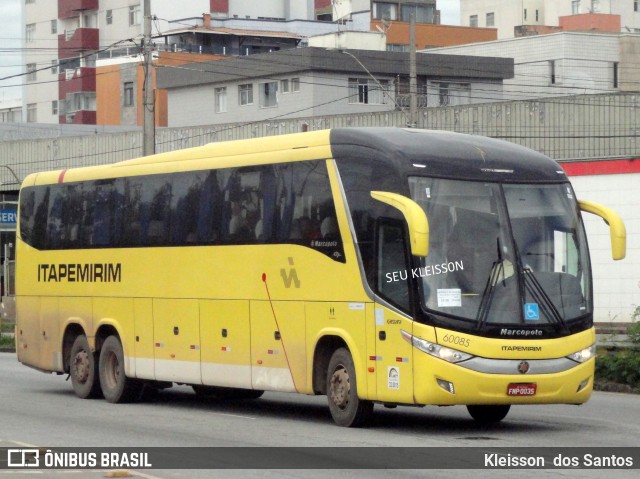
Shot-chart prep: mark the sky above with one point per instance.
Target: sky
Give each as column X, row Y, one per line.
column 11, row 32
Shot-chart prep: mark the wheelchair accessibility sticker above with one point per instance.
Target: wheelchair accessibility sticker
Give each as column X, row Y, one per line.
column 531, row 312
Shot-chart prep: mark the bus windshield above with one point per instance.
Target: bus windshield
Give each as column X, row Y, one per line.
column 503, row 254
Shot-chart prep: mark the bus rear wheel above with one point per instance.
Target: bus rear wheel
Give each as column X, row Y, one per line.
column 116, row 387
column 489, row 414
column 83, row 369
column 347, row 409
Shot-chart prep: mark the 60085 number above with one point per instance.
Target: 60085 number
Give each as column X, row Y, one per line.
column 453, row 339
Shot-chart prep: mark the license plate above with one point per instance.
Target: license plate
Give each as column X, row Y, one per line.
column 521, row 389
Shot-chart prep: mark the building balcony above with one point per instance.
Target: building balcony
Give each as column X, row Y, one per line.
column 76, row 80
column 79, row 117
column 72, row 8
column 72, row 42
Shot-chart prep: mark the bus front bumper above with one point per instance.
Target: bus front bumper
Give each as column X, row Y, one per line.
column 438, row 382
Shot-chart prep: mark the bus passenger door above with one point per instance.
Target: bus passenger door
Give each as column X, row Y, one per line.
column 278, row 349
column 176, row 328
column 224, row 335
column 394, row 355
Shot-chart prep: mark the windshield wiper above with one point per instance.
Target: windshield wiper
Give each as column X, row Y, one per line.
column 489, row 288
column 539, row 295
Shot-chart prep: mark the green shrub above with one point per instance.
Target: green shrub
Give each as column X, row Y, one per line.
column 619, row 366
column 622, row 366
column 6, row 341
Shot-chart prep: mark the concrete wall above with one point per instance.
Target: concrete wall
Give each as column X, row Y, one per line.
column 616, row 283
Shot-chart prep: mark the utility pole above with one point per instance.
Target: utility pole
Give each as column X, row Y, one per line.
column 148, row 105
column 413, row 83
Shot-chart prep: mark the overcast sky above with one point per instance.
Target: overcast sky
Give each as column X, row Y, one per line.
column 11, row 31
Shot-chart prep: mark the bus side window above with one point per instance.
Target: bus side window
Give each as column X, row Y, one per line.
column 393, row 273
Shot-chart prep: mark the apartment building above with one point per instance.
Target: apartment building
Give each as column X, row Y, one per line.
column 563, row 63
column 315, row 81
column 506, row 15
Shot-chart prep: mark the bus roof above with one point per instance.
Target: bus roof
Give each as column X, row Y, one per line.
column 446, row 154
column 436, row 153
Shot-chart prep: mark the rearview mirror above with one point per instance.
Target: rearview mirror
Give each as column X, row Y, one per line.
column 415, row 217
column 617, row 231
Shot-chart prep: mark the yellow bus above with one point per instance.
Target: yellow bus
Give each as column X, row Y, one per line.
column 371, row 265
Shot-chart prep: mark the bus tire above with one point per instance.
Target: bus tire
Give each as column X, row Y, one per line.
column 486, row 415
column 116, row 387
column 218, row 392
column 347, row 409
column 83, row 369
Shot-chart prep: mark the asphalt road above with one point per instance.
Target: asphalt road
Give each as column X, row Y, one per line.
column 41, row 410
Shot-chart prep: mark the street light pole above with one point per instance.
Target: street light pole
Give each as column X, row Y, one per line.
column 149, row 131
column 413, row 82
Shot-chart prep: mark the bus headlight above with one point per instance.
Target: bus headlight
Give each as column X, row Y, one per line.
column 583, row 355
column 441, row 352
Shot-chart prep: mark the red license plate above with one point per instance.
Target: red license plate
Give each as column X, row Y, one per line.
column 521, row 389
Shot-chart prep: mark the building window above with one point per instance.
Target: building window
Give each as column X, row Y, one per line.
column 134, row 15
column 54, row 67
column 27, row 2
column 367, row 91
column 245, row 94
column 473, row 21
column 31, row 72
column 54, row 27
column 385, row 11
column 537, row 16
column 30, row 33
column 109, row 17
column 575, row 7
column 444, row 99
column 54, row 107
column 284, row 86
column 552, row 72
column 423, row 13
column 128, row 94
column 295, row 84
column 635, row 5
column 268, row 94
column 220, row 99
column 525, row 14
column 615, row 74
column 396, row 47
column 491, row 17
column 595, row 6
column 32, row 112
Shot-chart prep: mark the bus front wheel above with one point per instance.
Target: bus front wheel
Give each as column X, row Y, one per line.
column 347, row 409
column 116, row 387
column 489, row 414
column 83, row 369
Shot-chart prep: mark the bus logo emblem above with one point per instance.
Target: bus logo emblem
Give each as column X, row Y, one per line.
column 523, row 367
column 291, row 277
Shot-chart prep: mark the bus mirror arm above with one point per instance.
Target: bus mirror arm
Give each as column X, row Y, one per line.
column 617, row 229
column 415, row 217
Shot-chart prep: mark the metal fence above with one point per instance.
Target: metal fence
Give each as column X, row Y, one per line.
column 570, row 127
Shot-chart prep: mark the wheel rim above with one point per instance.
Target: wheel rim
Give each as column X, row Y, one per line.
column 340, row 388
column 81, row 366
column 112, row 369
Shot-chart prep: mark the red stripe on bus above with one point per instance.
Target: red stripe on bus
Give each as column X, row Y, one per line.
column 61, row 176
column 602, row 167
